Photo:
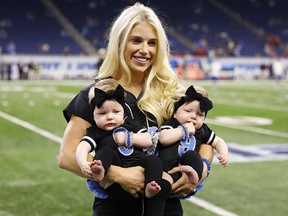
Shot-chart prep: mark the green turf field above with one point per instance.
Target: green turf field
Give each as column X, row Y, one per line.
column 31, row 126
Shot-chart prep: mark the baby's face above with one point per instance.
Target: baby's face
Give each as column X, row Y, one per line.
column 190, row 112
column 109, row 116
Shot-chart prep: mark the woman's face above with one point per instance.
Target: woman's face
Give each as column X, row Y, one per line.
column 141, row 47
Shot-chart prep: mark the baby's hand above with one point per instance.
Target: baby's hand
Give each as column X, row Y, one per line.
column 86, row 170
column 223, row 159
column 190, row 127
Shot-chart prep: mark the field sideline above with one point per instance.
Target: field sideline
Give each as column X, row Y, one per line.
column 260, row 139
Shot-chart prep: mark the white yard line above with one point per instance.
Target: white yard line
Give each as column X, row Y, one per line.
column 251, row 105
column 210, row 207
column 250, row 128
column 31, row 127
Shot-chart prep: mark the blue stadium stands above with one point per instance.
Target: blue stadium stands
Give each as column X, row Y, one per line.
column 32, row 28
column 199, row 27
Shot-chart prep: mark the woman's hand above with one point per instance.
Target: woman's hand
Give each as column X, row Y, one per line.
column 131, row 179
column 183, row 186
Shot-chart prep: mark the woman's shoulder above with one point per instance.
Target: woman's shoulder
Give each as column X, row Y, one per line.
column 87, row 88
column 79, row 106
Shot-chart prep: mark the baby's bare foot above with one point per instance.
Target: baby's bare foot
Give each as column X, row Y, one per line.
column 97, row 170
column 152, row 189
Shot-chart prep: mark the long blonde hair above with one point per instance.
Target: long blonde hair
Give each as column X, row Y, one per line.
column 161, row 84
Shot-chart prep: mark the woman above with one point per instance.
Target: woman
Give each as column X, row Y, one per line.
column 137, row 57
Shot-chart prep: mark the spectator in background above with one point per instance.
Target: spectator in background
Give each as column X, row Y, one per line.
column 11, row 47
column 9, row 71
column 43, row 48
column 230, row 47
column 1, row 71
column 214, row 74
column 66, row 51
column 33, row 70
column 21, row 70
column 285, row 51
column 3, row 34
column 6, row 71
column 264, row 71
column 278, row 69
column 270, row 71
column 101, row 55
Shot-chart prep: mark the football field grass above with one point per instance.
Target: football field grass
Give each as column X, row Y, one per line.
column 252, row 116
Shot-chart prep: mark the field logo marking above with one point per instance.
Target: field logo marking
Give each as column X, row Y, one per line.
column 244, row 123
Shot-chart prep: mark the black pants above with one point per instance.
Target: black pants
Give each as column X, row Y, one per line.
column 153, row 170
column 170, row 158
column 108, row 207
column 152, row 164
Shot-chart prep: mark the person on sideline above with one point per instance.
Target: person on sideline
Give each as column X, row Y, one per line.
column 181, row 136
column 101, row 54
column 121, row 141
column 138, row 59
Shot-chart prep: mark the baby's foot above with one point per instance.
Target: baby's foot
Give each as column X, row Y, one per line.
column 97, row 170
column 192, row 174
column 152, row 189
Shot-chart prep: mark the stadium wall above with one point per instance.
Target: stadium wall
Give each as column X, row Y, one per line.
column 186, row 67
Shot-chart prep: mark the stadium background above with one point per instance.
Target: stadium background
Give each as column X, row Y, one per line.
column 246, row 38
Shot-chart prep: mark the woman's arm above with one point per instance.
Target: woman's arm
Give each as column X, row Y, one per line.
column 131, row 179
column 206, row 151
column 74, row 132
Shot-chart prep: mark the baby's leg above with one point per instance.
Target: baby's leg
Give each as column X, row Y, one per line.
column 152, row 189
column 156, row 204
column 192, row 165
column 192, row 174
column 97, row 170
